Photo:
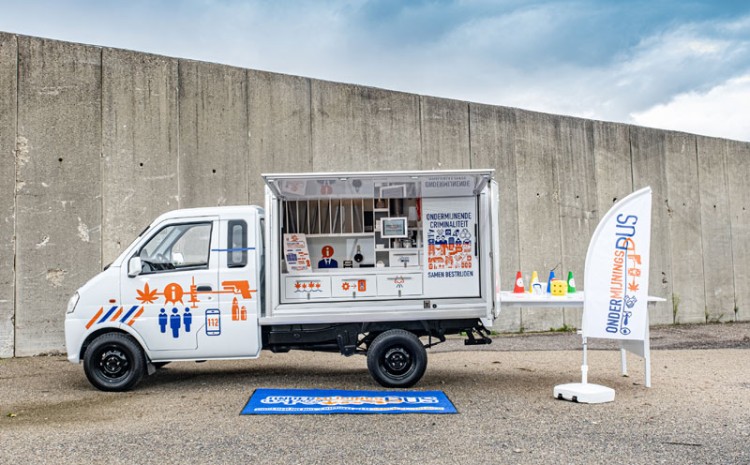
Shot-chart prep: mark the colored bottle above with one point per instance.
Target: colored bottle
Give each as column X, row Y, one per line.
column 571, row 283
column 549, row 281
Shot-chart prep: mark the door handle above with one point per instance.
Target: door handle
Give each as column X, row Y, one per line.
column 204, row 289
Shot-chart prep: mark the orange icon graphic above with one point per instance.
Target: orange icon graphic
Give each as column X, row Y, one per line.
column 238, row 287
column 238, row 314
column 194, row 294
column 235, row 310
column 146, row 296
column 345, row 286
column 173, row 293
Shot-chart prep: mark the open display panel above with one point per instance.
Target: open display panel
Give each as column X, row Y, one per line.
column 412, row 236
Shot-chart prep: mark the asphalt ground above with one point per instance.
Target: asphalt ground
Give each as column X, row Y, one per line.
column 698, row 410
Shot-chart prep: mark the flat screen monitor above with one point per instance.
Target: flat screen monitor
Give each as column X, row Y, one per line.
column 393, row 227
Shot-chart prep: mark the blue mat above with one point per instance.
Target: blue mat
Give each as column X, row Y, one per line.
column 328, row 401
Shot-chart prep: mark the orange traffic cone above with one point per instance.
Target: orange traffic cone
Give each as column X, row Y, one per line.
column 518, row 289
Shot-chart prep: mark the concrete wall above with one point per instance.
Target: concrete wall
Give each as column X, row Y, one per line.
column 58, row 184
column 139, row 144
column 8, row 130
column 95, row 142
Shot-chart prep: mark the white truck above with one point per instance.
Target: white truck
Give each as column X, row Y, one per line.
column 382, row 264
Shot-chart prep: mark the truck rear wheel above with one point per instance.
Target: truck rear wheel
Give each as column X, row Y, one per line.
column 397, row 358
column 114, row 362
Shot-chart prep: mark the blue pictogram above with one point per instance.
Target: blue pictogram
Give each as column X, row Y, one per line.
column 163, row 318
column 175, row 322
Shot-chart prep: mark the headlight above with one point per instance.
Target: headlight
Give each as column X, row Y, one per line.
column 73, row 302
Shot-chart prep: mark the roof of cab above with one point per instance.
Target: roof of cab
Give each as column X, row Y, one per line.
column 221, row 212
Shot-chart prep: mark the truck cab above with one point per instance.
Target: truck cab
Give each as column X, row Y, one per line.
column 186, row 289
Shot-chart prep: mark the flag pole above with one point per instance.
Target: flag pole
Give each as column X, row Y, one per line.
column 585, row 366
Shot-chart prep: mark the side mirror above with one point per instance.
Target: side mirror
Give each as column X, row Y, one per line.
column 134, row 267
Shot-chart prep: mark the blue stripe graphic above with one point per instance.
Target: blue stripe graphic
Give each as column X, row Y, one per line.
column 106, row 315
column 236, row 249
column 130, row 312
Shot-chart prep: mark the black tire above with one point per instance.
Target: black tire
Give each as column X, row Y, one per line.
column 397, row 359
column 114, row 362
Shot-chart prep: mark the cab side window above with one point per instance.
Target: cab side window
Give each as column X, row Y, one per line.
column 237, row 244
column 177, row 247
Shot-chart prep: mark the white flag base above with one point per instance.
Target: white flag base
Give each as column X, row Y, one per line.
column 584, row 393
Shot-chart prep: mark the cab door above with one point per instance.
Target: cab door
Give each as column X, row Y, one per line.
column 168, row 302
column 232, row 328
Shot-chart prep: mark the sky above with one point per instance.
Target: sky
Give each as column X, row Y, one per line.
column 682, row 65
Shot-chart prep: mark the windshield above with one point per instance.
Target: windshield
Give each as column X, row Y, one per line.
column 177, row 246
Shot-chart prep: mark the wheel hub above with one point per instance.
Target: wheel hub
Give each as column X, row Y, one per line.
column 397, row 360
column 113, row 363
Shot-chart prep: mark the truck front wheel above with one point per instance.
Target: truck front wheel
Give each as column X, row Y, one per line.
column 114, row 362
column 397, row 358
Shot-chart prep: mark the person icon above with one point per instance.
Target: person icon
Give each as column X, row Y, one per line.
column 327, row 261
column 163, row 320
column 187, row 318
column 174, row 323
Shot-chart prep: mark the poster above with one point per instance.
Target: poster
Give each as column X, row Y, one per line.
column 296, row 254
column 617, row 265
column 451, row 267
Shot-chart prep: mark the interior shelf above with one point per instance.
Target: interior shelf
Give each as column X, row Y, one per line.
column 352, row 226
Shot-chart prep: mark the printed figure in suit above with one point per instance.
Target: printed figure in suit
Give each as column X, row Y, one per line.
column 327, row 261
column 187, row 318
column 163, row 320
column 174, row 323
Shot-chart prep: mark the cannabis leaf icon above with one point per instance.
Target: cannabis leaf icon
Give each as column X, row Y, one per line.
column 146, row 296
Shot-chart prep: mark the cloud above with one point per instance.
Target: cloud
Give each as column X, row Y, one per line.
column 574, row 58
column 721, row 112
column 687, row 59
column 597, row 59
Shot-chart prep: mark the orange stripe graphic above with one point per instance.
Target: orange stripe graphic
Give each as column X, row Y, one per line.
column 135, row 317
column 117, row 314
column 96, row 317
